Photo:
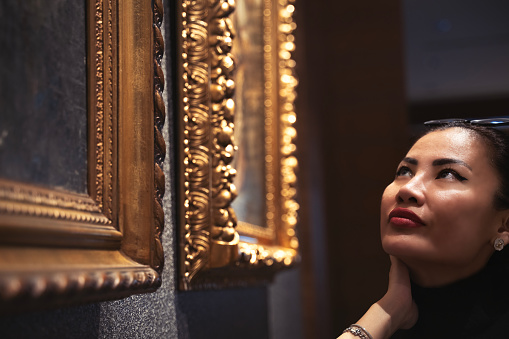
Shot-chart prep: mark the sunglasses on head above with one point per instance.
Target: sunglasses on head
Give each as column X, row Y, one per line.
column 498, row 123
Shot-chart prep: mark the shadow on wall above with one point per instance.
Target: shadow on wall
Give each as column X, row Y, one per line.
column 80, row 322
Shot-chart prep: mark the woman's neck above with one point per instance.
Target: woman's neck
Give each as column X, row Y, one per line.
column 437, row 275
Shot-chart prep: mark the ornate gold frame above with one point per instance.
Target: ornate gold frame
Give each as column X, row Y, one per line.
column 212, row 252
column 57, row 247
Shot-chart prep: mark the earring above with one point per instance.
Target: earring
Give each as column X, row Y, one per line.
column 499, row 244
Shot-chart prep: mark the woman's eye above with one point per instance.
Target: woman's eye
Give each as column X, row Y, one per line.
column 450, row 174
column 403, row 171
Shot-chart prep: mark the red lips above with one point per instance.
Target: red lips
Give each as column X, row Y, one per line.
column 402, row 217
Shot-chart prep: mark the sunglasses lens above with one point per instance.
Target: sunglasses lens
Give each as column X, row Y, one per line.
column 491, row 122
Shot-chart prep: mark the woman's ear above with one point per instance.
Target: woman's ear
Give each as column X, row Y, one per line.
column 503, row 231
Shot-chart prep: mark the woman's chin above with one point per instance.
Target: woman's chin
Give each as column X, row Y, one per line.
column 403, row 247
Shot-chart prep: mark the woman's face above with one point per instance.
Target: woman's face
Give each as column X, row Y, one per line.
column 438, row 214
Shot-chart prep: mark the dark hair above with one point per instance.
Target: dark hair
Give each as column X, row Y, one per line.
column 497, row 143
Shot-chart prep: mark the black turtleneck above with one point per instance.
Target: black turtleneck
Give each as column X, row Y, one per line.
column 475, row 307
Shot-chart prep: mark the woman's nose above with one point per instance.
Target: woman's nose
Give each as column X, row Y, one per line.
column 411, row 192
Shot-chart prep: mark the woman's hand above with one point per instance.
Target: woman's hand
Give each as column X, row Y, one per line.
column 395, row 310
column 397, row 302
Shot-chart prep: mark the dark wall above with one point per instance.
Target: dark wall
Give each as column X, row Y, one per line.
column 353, row 121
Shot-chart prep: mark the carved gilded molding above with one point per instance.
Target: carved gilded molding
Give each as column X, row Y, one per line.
column 159, row 143
column 59, row 247
column 212, row 252
column 103, row 59
column 35, row 286
column 221, row 114
column 196, row 137
column 287, row 82
column 98, row 123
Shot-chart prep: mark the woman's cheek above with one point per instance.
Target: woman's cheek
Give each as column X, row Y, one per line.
column 385, row 236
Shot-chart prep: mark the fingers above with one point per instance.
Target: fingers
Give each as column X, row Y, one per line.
column 400, row 293
column 398, row 272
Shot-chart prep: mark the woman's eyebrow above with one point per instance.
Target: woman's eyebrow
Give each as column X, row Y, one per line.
column 411, row 161
column 447, row 161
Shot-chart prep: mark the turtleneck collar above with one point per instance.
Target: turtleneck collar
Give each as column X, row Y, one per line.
column 466, row 308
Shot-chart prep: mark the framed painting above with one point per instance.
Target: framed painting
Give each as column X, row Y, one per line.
column 238, row 168
column 81, row 219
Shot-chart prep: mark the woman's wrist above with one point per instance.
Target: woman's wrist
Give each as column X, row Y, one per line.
column 375, row 321
column 378, row 322
column 358, row 331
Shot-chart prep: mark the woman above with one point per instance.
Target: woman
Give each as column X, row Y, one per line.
column 442, row 219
